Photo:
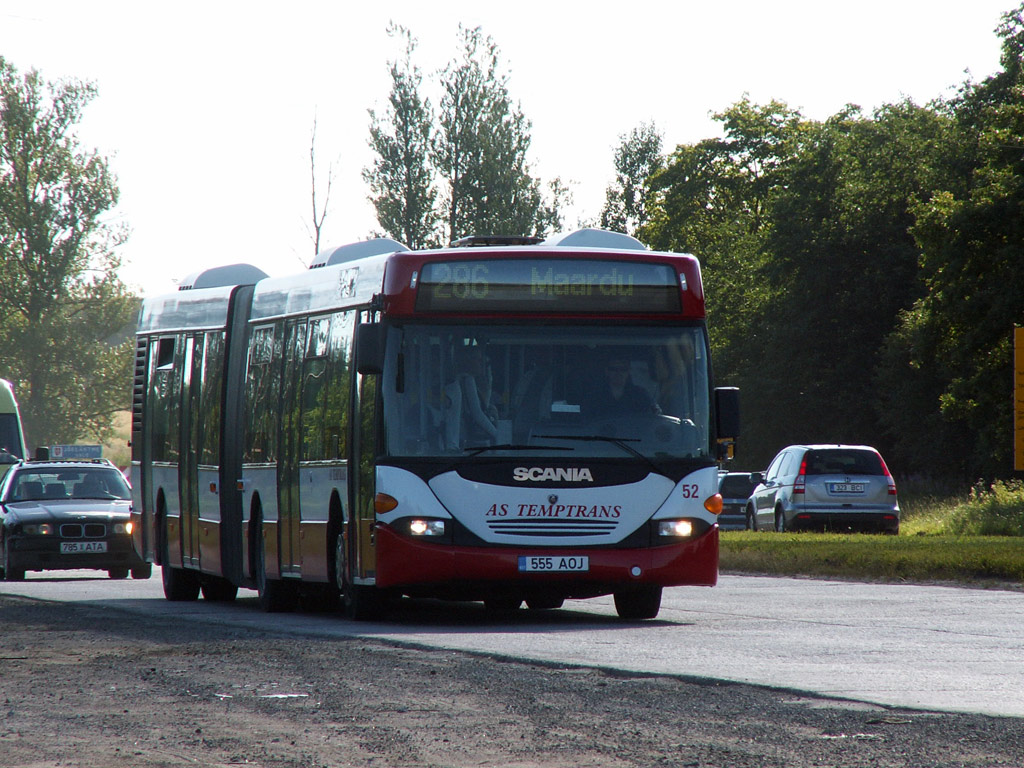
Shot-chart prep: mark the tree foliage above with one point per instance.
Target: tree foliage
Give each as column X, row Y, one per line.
column 464, row 169
column 863, row 273
column 61, row 303
column 637, row 159
column 401, row 178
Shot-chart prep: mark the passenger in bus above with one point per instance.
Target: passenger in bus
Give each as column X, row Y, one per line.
column 617, row 395
column 670, row 375
column 470, row 418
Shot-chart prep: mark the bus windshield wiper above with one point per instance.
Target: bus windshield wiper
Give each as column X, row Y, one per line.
column 621, row 442
column 476, row 450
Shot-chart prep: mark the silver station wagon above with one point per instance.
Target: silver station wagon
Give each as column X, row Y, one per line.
column 825, row 487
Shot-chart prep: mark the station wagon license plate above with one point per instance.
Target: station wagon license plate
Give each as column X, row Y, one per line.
column 554, row 564
column 847, row 488
column 82, row 547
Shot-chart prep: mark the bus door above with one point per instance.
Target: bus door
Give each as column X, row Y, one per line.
column 188, row 462
column 290, row 447
column 364, row 446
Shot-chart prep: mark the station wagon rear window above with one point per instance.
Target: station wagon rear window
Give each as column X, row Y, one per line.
column 844, row 462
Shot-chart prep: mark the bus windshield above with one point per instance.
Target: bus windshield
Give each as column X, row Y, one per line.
column 574, row 391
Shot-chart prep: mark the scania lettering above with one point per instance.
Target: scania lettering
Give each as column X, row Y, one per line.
column 503, row 420
column 536, row 474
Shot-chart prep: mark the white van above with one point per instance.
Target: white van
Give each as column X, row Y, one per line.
column 12, row 438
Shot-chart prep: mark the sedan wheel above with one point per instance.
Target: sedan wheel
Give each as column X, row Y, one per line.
column 751, row 519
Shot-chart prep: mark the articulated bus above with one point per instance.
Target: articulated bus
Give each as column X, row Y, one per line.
column 504, row 420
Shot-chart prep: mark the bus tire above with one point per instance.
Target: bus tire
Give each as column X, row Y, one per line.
column 640, row 602
column 180, row 586
column 218, row 590
column 360, row 602
column 142, row 571
column 500, row 605
column 275, row 595
column 544, row 603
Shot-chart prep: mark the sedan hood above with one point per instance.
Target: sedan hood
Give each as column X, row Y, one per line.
column 67, row 509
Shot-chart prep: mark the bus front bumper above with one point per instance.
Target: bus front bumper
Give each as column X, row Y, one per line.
column 403, row 562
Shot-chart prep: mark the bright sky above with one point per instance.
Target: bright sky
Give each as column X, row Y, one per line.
column 205, row 109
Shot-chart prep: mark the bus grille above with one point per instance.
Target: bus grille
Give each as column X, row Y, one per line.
column 552, row 527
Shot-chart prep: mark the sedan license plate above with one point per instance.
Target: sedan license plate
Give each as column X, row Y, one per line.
column 82, row 547
column 847, row 487
column 554, row 563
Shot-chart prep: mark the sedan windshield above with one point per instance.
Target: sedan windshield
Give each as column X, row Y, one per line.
column 623, row 392
column 52, row 484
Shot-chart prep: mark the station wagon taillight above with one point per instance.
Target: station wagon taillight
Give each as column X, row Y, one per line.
column 888, row 477
column 801, row 479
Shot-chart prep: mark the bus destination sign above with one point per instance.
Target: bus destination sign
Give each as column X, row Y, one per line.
column 554, row 285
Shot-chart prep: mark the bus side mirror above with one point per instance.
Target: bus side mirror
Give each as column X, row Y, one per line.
column 727, row 412
column 370, row 348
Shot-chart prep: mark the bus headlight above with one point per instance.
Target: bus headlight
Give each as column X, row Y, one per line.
column 426, row 527
column 678, row 528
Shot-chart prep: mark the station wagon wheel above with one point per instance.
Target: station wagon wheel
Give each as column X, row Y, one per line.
column 780, row 521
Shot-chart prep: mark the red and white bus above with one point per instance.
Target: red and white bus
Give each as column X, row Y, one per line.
column 506, row 420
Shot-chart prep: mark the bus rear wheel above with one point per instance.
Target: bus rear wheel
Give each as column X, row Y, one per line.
column 275, row 595
column 640, row 602
column 218, row 590
column 180, row 586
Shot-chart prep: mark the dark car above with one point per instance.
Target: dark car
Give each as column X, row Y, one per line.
column 831, row 487
column 735, row 488
column 57, row 515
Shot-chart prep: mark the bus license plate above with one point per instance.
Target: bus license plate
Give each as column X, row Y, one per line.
column 82, row 547
column 554, row 563
column 847, row 487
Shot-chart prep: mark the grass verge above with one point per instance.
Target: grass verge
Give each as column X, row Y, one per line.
column 990, row 560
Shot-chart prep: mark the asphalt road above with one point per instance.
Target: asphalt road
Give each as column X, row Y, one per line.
column 923, row 647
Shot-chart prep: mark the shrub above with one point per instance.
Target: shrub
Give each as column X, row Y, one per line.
column 993, row 510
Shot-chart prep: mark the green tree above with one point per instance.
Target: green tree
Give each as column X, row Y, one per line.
column 401, row 177
column 61, row 303
column 480, row 149
column 956, row 342
column 637, row 158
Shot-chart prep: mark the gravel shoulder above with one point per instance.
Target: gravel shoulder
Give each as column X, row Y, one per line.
column 85, row 686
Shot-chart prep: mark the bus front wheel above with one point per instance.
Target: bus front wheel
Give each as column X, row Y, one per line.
column 361, row 602
column 640, row 602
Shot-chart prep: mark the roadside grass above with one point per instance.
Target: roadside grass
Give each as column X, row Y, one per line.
column 975, row 537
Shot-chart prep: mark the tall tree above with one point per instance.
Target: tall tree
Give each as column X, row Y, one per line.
column 480, row 148
column 401, row 177
column 61, row 303
column 637, row 158
column 319, row 210
column 955, row 344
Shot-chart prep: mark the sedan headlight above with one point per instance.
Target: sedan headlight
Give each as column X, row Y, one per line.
column 37, row 529
column 123, row 528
